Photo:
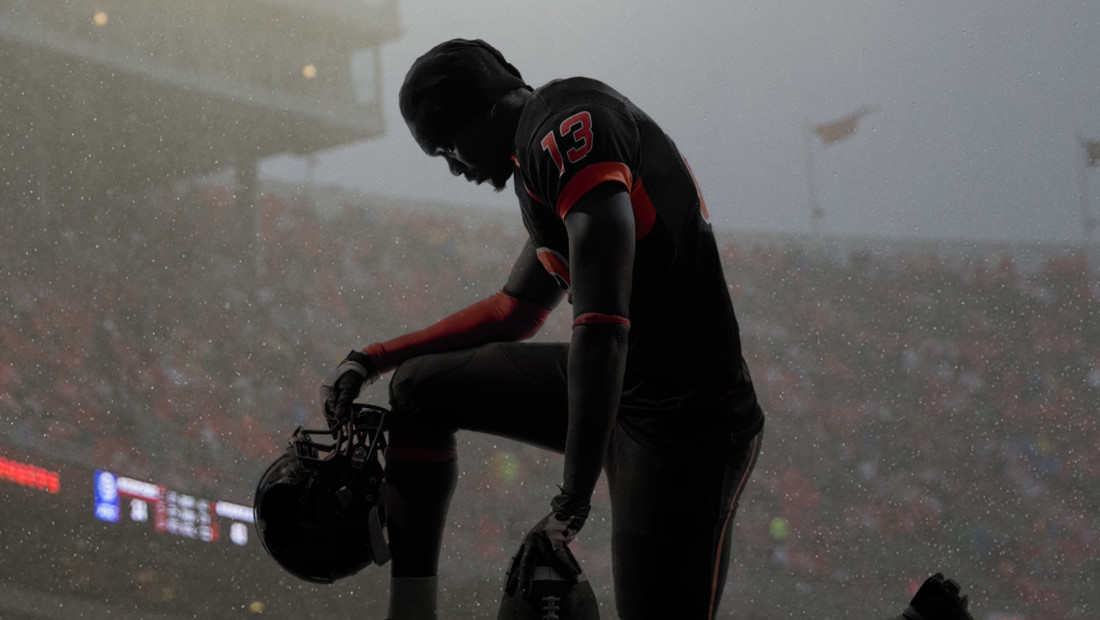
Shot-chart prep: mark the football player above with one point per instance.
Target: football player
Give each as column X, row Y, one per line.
column 652, row 387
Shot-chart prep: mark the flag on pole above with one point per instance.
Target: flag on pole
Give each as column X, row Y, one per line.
column 835, row 131
column 1092, row 152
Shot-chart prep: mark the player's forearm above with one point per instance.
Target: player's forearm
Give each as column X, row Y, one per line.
column 500, row 317
column 597, row 361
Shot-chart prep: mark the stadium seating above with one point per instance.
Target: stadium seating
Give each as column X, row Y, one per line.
column 924, row 414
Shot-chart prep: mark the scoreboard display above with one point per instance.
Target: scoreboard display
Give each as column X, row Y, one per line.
column 119, row 498
column 81, row 542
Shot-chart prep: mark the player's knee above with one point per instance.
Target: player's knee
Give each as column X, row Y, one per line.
column 416, row 385
column 418, row 403
column 403, row 384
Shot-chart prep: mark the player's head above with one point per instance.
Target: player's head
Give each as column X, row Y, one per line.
column 316, row 506
column 447, row 101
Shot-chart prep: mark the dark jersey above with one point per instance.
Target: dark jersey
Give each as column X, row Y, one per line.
column 684, row 348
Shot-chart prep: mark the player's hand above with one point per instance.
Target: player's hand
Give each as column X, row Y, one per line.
column 342, row 386
column 546, row 544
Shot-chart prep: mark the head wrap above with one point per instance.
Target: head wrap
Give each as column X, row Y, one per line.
column 452, row 84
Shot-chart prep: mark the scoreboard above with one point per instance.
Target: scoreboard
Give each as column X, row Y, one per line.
column 119, row 498
column 116, row 498
column 81, row 542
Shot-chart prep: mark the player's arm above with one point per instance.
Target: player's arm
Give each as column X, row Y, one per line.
column 530, row 281
column 516, row 312
column 601, row 258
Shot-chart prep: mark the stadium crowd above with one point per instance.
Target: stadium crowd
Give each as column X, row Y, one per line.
column 924, row 414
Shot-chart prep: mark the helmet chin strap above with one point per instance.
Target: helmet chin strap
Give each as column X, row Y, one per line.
column 376, row 531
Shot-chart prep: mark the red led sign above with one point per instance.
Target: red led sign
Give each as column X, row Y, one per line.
column 30, row 476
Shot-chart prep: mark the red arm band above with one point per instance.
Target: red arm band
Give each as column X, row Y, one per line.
column 498, row 318
column 592, row 318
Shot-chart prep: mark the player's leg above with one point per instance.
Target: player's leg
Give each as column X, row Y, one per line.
column 672, row 508
column 738, row 469
column 511, row 390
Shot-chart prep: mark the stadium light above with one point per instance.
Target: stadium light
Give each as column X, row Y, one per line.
column 309, row 71
column 100, row 18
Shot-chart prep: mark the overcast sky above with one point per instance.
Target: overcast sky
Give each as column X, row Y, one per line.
column 976, row 105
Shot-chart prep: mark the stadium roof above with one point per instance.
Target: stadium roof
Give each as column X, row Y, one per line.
column 122, row 93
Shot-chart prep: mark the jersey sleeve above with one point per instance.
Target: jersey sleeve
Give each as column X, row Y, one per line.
column 575, row 150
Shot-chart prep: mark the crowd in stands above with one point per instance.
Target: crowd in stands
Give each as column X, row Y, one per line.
column 923, row 414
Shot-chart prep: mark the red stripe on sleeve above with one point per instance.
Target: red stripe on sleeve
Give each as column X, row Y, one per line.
column 590, row 177
column 645, row 214
column 498, row 318
column 594, row 318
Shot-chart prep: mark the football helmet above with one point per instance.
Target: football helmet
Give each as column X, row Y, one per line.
column 318, row 508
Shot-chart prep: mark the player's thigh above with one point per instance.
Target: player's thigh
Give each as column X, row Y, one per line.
column 512, row 390
column 670, row 509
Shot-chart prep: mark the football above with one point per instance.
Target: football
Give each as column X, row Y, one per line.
column 553, row 597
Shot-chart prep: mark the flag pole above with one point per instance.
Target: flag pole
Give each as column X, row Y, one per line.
column 1088, row 222
column 816, row 212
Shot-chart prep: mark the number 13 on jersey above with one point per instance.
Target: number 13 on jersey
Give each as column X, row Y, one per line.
column 577, row 129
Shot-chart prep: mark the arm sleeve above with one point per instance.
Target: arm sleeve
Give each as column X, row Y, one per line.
column 501, row 317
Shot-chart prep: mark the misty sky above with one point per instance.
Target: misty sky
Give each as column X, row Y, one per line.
column 976, row 104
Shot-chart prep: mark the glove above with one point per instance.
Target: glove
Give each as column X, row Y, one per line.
column 342, row 386
column 545, row 544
